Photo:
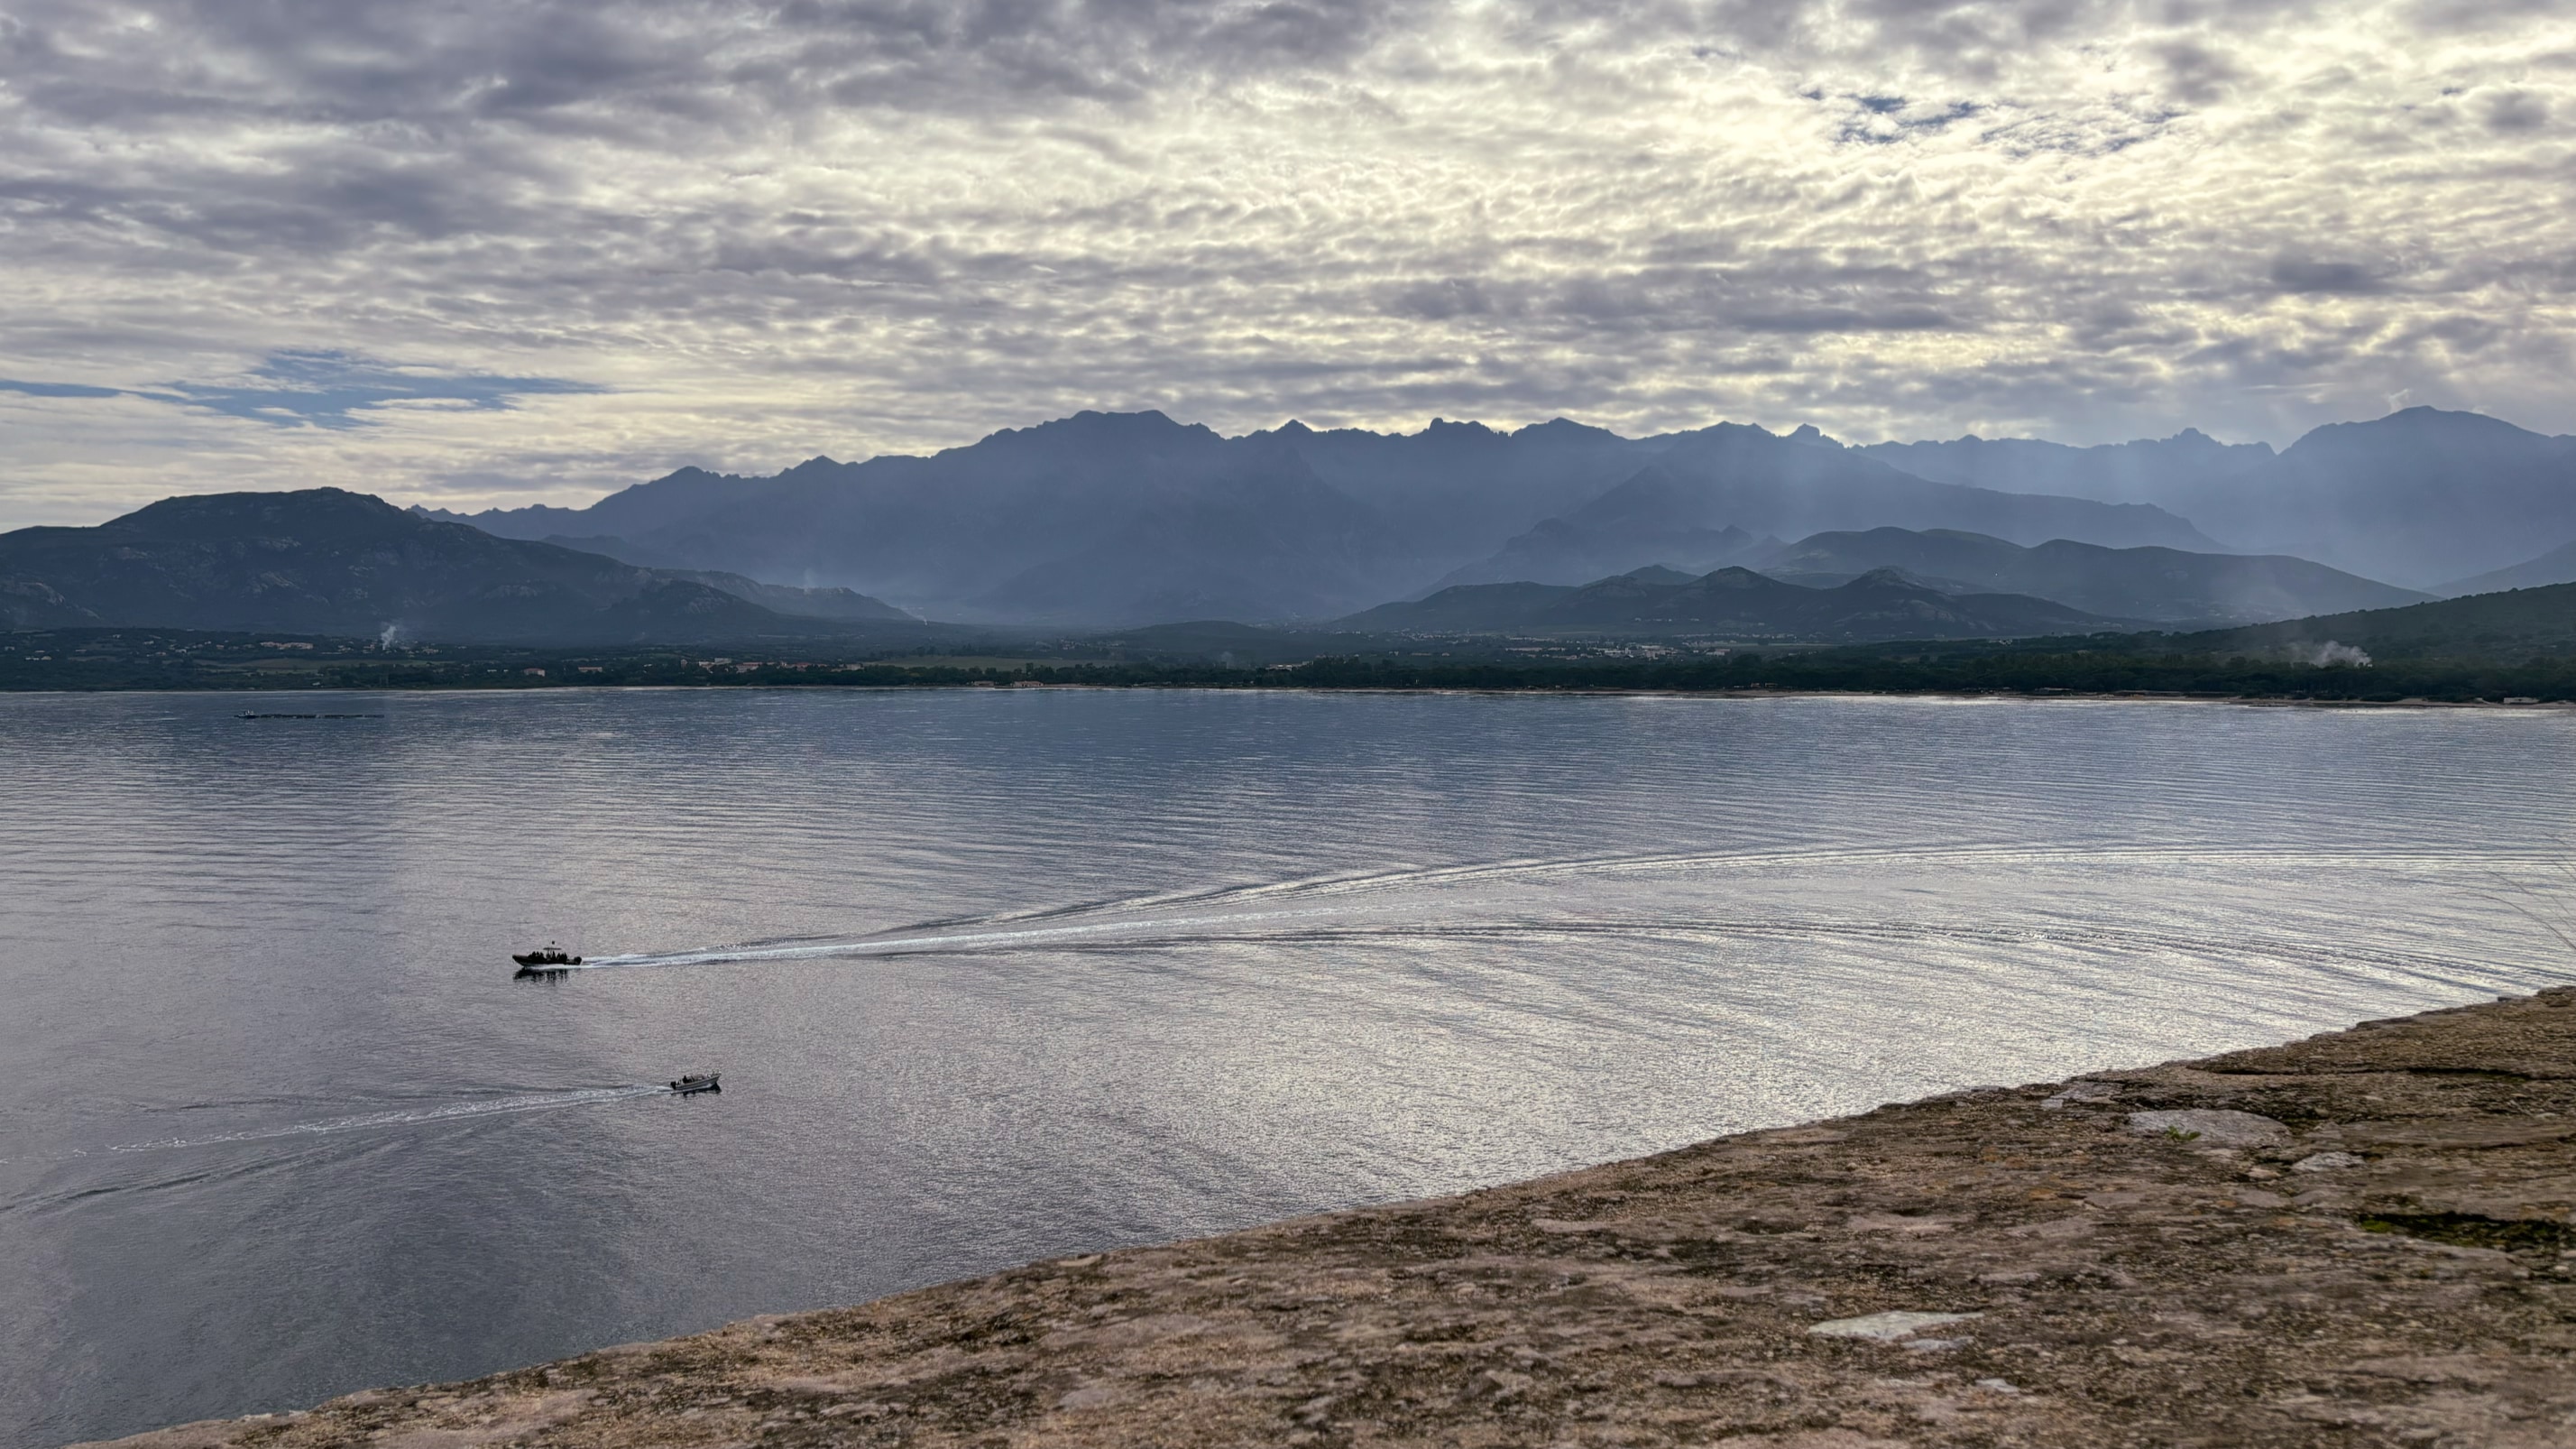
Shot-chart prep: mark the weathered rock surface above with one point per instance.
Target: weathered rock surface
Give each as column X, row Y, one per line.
column 2413, row 1284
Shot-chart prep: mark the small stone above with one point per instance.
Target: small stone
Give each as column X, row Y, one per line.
column 1885, row 1327
column 2326, row 1162
column 1999, row 1386
column 2213, row 1126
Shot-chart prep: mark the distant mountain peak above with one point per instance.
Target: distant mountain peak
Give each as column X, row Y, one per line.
column 1887, row 577
column 1736, row 576
column 1089, row 423
column 1567, row 430
column 2421, row 428
column 2448, row 419
column 191, row 513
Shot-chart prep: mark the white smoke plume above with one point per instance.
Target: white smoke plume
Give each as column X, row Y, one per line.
column 2326, row 653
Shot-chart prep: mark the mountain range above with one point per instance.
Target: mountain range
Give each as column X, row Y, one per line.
column 2162, row 471
column 324, row 561
column 2420, row 497
column 1724, row 484
column 1116, row 519
column 1098, row 518
column 2558, row 566
column 1112, row 519
column 2163, row 585
column 1123, row 521
column 1733, row 604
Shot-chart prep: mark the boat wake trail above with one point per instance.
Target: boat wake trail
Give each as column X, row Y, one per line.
column 1304, row 908
column 1953, row 857
column 1408, row 877
column 1309, row 928
column 407, row 1117
column 1092, row 933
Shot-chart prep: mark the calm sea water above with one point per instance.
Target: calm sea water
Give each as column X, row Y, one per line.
column 999, row 974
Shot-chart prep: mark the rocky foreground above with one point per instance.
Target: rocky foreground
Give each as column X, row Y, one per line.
column 2359, row 1239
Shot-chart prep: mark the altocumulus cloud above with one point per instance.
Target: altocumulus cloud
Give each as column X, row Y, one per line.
column 474, row 249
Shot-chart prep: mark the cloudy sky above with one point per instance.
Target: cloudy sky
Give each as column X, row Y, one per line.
column 473, row 251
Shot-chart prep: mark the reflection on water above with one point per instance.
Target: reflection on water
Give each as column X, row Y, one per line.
column 998, row 974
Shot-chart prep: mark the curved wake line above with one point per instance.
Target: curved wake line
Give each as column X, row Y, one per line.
column 1891, row 855
column 935, row 936
column 1332, row 927
column 1399, row 877
column 910, row 945
column 2447, row 970
column 408, row 1116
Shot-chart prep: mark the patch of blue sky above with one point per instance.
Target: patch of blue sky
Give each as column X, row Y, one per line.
column 57, row 389
column 326, row 389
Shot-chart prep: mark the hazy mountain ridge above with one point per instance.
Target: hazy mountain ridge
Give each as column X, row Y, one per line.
column 1465, row 487
column 326, row 561
column 1719, row 486
column 1557, row 551
column 1124, row 518
column 2147, row 470
column 2430, row 499
column 1729, row 603
column 2558, row 566
column 2160, row 584
column 2417, row 497
column 1098, row 518
column 843, row 605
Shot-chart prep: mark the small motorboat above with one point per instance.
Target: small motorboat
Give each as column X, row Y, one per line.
column 697, row 1082
column 548, row 955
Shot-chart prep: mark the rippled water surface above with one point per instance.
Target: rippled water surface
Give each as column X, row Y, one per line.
column 999, row 974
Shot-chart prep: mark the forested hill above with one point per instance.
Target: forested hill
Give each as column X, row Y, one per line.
column 327, row 561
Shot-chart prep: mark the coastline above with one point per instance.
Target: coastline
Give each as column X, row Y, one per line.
column 2122, row 666
column 2363, row 1238
column 1995, row 696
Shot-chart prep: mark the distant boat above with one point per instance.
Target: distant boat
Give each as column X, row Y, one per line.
column 549, row 955
column 697, row 1082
